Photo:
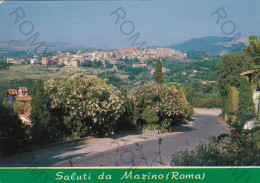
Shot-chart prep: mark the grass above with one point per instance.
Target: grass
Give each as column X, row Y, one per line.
column 36, row 72
column 16, row 75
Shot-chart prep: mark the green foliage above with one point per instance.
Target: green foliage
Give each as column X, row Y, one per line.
column 202, row 95
column 88, row 105
column 212, row 102
column 6, row 102
column 15, row 83
column 112, row 78
column 253, row 50
column 135, row 70
column 158, row 75
column 94, row 64
column 4, row 65
column 125, row 120
column 11, row 126
column 21, row 107
column 167, row 102
column 42, row 130
column 246, row 104
column 241, row 150
column 232, row 102
column 188, row 109
column 149, row 115
column 229, row 69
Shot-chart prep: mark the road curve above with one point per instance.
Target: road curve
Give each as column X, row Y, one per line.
column 122, row 150
column 206, row 123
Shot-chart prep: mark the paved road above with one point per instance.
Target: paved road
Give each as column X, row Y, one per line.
column 122, row 150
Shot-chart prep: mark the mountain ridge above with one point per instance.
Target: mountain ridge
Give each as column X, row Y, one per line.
column 210, row 44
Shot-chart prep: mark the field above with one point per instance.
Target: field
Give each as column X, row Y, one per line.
column 25, row 75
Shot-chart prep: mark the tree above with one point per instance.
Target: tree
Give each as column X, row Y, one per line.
column 11, row 126
column 246, row 107
column 229, row 68
column 253, row 50
column 40, row 114
column 21, row 107
column 162, row 100
column 158, row 75
column 125, row 120
column 232, row 102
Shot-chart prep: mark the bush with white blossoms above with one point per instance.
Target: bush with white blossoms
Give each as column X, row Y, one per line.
column 161, row 100
column 89, row 104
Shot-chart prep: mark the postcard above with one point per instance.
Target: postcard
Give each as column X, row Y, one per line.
column 148, row 91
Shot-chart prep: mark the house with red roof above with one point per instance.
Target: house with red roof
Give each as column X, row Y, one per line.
column 20, row 95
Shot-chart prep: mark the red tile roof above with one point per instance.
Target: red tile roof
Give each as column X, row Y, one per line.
column 24, row 98
column 26, row 115
column 23, row 89
column 12, row 92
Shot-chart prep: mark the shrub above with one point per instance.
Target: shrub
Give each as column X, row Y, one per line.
column 207, row 102
column 89, row 104
column 246, row 104
column 239, row 150
column 232, row 104
column 159, row 100
column 21, row 107
column 11, row 127
column 125, row 120
column 150, row 115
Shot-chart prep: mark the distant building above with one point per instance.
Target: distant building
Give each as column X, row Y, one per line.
column 139, row 65
column 13, row 61
column 194, row 71
column 45, row 61
column 72, row 63
column 34, row 60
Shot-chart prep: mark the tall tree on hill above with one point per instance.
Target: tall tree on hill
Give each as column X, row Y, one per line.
column 246, row 106
column 158, row 75
column 40, row 113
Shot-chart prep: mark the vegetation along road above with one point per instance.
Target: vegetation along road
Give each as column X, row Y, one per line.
column 122, row 150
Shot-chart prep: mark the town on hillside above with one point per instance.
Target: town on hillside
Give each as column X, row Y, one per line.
column 113, row 57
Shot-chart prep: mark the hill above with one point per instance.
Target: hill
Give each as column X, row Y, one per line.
column 211, row 44
column 19, row 45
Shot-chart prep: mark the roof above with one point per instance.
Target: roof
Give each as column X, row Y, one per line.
column 23, row 89
column 24, row 98
column 247, row 72
column 26, row 115
column 12, row 92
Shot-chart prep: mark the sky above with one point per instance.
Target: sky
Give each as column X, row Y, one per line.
column 159, row 23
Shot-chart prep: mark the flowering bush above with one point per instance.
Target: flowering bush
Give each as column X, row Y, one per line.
column 89, row 104
column 161, row 100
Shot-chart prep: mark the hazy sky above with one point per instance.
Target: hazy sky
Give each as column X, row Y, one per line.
column 159, row 22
